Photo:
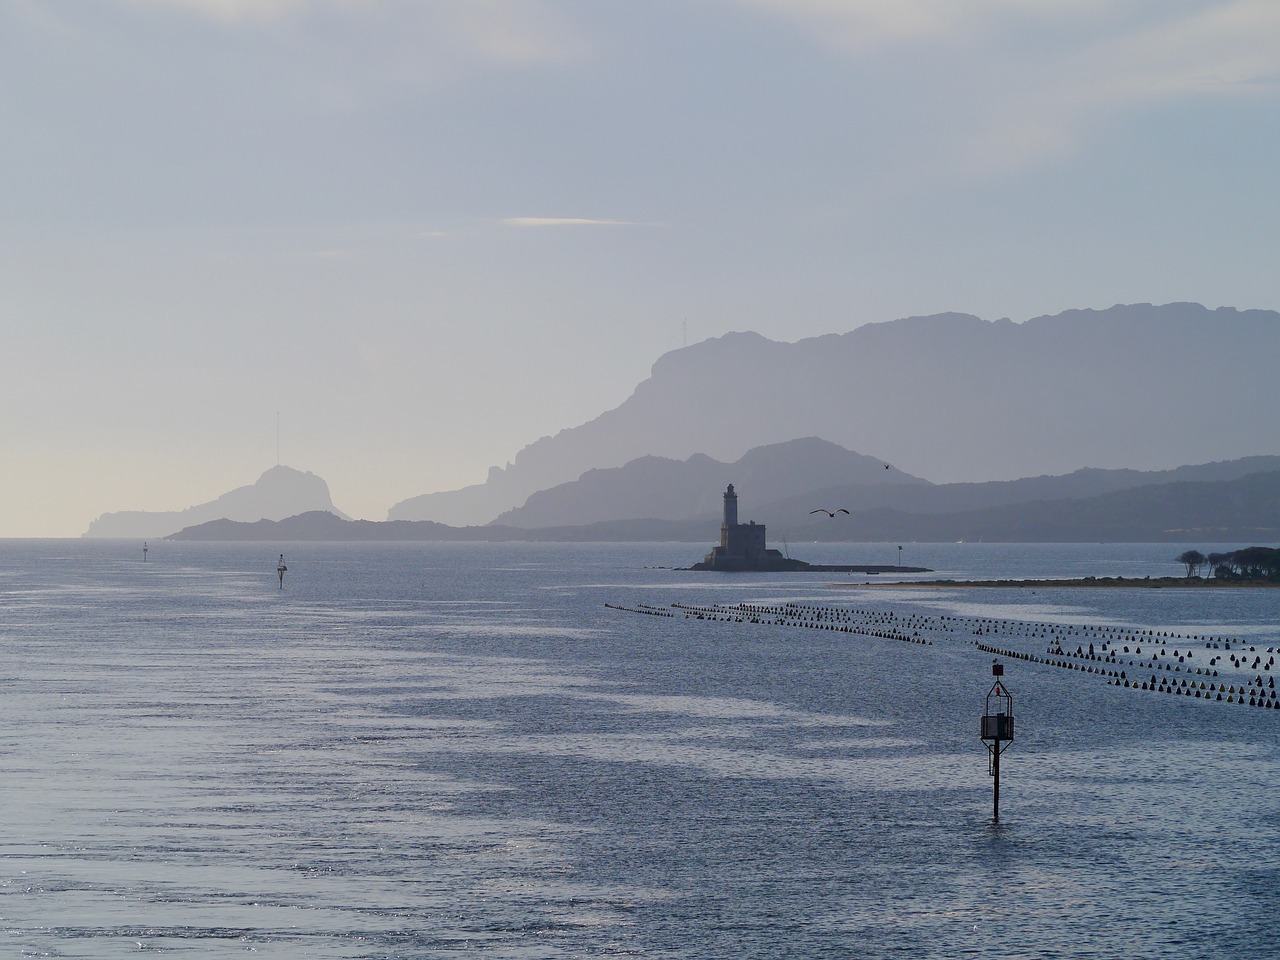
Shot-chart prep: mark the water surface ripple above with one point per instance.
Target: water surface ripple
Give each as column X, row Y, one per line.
column 458, row 750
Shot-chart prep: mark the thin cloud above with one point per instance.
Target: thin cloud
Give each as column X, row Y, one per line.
column 1113, row 57
column 1227, row 48
column 565, row 222
column 232, row 10
column 863, row 24
column 508, row 32
column 514, row 32
column 1230, row 49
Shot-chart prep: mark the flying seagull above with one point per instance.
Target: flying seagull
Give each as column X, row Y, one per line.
column 829, row 513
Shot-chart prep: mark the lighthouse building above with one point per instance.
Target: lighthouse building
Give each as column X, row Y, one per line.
column 742, row 545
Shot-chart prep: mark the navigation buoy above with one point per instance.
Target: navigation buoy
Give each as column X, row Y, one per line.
column 144, row 551
column 280, row 570
column 997, row 731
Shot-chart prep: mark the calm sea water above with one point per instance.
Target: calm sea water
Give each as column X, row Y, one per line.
column 459, row 751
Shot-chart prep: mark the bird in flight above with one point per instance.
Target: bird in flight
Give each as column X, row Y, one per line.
column 829, row 513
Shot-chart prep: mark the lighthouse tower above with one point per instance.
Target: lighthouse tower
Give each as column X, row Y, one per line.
column 741, row 544
column 730, row 513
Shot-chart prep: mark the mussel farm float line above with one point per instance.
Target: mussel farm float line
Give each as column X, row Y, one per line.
column 647, row 609
column 1106, row 651
column 811, row 618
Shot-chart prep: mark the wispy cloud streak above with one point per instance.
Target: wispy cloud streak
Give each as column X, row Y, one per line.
column 564, row 222
column 1066, row 65
column 1230, row 49
column 512, row 32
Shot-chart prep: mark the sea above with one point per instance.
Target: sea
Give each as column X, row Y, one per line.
column 538, row 751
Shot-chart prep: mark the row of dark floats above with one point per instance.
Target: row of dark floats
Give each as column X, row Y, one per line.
column 1227, row 670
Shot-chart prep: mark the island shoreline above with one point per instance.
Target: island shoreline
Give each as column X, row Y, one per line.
column 1132, row 583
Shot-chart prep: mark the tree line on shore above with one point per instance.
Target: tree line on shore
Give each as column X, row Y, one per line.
column 1251, row 563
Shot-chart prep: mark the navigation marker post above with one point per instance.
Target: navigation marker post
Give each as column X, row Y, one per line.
column 997, row 731
column 280, row 571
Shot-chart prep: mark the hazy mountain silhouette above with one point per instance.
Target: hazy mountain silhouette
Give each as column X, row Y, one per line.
column 950, row 397
column 786, row 481
column 1245, row 510
column 661, row 488
column 280, row 492
column 321, row 525
column 792, row 513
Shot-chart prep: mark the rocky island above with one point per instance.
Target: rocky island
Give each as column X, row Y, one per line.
column 743, row 549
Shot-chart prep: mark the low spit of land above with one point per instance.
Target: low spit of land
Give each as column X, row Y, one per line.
column 1194, row 583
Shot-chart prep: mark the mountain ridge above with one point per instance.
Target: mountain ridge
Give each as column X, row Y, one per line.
column 951, row 396
column 664, row 488
column 1246, row 509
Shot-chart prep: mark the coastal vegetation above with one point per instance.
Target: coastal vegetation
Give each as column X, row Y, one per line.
column 1250, row 563
column 1194, row 560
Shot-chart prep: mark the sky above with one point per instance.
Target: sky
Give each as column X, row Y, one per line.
column 421, row 234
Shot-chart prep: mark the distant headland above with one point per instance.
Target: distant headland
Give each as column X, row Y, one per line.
column 279, row 493
column 1133, row 583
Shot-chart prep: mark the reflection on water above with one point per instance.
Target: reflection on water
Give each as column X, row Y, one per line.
column 452, row 750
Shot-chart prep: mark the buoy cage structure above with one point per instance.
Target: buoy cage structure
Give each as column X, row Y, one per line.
column 997, row 730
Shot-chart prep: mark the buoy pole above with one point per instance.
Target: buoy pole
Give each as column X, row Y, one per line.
column 995, row 788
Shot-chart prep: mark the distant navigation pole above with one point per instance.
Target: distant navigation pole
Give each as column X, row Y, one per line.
column 280, row 571
column 997, row 731
column 144, row 551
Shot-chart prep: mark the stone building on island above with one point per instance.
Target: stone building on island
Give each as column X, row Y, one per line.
column 742, row 550
column 742, row 545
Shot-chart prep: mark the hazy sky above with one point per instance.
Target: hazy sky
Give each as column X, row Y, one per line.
column 430, row 231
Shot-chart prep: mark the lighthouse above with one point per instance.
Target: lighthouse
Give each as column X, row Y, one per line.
column 742, row 545
column 730, row 515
